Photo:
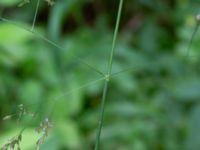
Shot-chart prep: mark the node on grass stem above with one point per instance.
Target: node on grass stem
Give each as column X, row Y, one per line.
column 107, row 77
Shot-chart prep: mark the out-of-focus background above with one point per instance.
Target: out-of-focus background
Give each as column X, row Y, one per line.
column 153, row 100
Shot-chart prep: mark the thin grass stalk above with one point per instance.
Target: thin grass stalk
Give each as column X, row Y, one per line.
column 35, row 15
column 107, row 77
column 192, row 39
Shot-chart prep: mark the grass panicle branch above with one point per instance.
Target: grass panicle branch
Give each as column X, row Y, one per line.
column 50, row 42
column 193, row 35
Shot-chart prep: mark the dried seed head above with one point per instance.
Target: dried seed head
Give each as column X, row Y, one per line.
column 23, row 2
column 7, row 117
column 12, row 143
column 50, row 2
column 43, row 128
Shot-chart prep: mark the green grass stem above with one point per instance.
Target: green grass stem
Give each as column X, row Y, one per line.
column 107, row 79
column 35, row 15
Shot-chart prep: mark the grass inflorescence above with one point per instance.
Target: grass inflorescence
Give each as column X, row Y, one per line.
column 45, row 125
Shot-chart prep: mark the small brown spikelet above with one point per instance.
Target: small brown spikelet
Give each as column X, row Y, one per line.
column 24, row 2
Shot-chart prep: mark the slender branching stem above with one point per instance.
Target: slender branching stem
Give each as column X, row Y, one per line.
column 107, row 77
column 50, row 42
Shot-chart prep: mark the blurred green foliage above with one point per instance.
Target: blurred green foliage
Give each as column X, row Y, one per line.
column 152, row 105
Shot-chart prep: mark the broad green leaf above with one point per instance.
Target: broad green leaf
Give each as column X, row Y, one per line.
column 10, row 34
column 9, row 2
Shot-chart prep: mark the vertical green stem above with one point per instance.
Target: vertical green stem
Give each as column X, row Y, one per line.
column 35, row 15
column 105, row 90
column 115, row 37
column 107, row 77
column 192, row 38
